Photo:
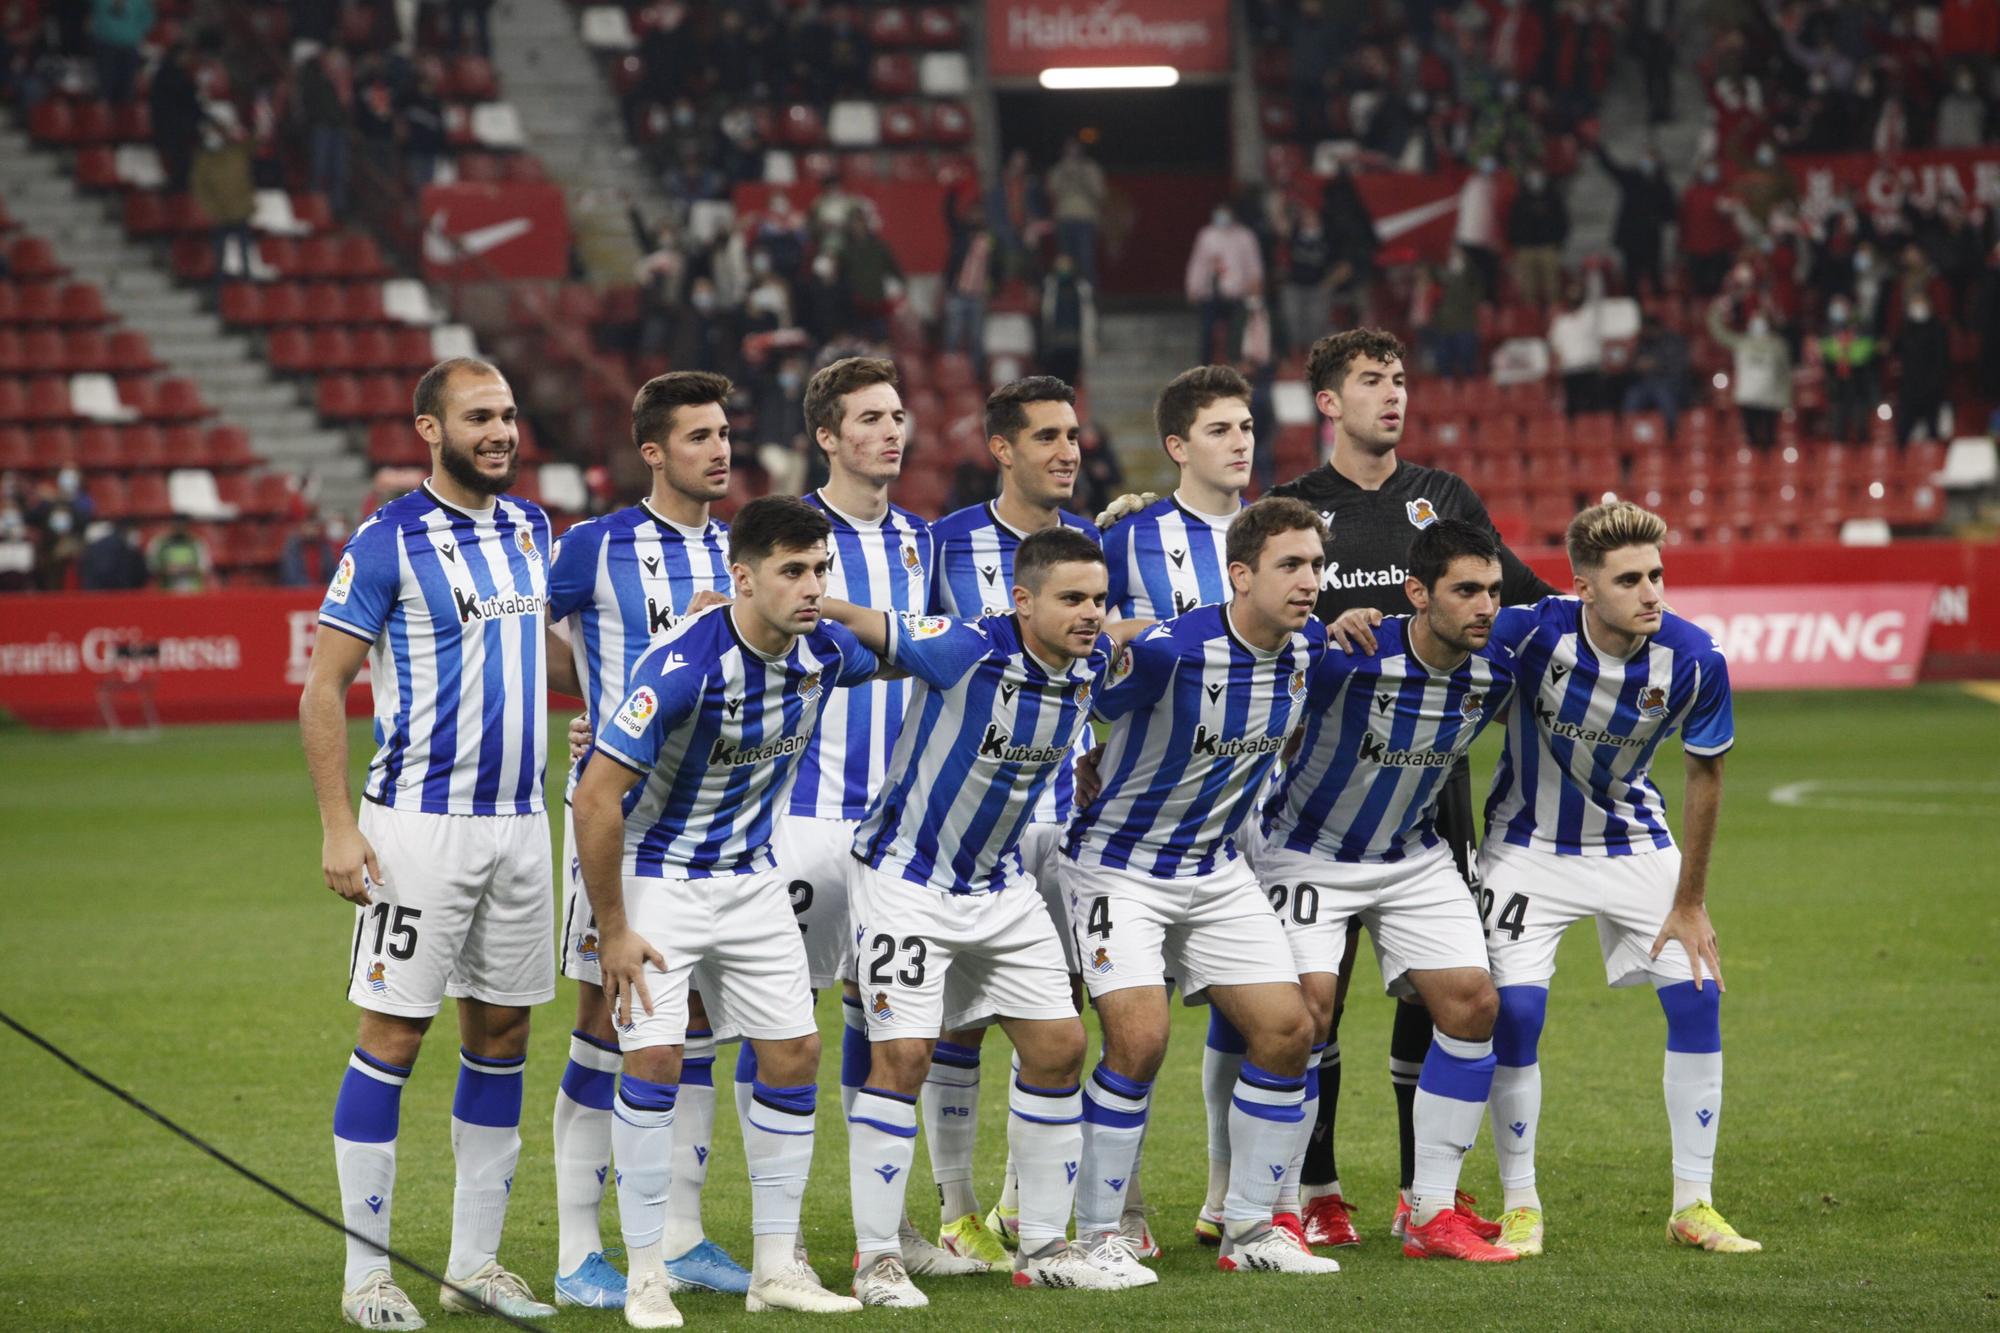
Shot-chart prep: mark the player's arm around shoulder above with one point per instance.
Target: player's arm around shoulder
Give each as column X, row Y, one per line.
column 1141, row 672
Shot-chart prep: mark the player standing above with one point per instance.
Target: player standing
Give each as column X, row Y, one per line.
column 1351, row 835
column 679, row 873
column 444, row 593
column 1032, row 431
column 1576, row 828
column 1200, row 707
column 948, row 925
column 1374, row 505
column 617, row 584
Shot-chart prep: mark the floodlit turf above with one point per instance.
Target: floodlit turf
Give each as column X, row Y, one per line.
column 163, row 919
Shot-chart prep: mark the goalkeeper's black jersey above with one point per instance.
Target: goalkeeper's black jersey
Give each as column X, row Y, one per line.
column 1372, row 531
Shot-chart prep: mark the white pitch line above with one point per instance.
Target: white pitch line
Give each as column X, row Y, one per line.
column 1878, row 797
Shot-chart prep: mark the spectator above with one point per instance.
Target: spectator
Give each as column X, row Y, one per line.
column 1098, row 477
column 1069, row 321
column 180, row 560
column 1986, row 323
column 323, row 111
column 783, row 451
column 57, row 518
column 1576, row 340
column 1707, row 235
column 1308, row 273
column 1478, row 231
column 662, row 276
column 311, row 551
column 1018, row 215
column 1848, row 355
column 472, row 18
column 1655, row 41
column 175, row 107
column 1537, row 229
column 112, row 560
column 1076, row 196
column 1352, row 243
column 970, row 286
column 1224, row 267
column 871, row 276
column 1646, row 204
column 1762, row 382
column 1764, row 186
column 223, row 189
column 117, row 27
column 1452, row 332
column 17, row 549
column 420, row 125
column 1659, row 373
column 1923, row 361
column 781, row 234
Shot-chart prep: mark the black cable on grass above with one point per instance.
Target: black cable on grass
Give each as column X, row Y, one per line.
column 251, row 1176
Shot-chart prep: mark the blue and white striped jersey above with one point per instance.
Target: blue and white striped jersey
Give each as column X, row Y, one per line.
column 622, row 581
column 885, row 565
column 1167, row 559
column 454, row 603
column 974, row 577
column 989, row 728
column 1199, row 718
column 1583, row 728
column 1382, row 732
column 716, row 728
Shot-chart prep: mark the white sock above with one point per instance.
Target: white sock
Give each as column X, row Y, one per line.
column 1516, row 1108
column 694, row 1131
column 366, row 1117
column 1221, row 1059
column 1135, row 1188
column 778, row 1147
column 1045, row 1141
column 1288, row 1189
column 642, row 1141
column 1010, row 1180
column 1693, row 1084
column 583, row 1148
column 485, row 1144
column 881, row 1144
column 1451, row 1098
column 856, row 1060
column 950, row 1108
column 1114, row 1118
column 1264, row 1116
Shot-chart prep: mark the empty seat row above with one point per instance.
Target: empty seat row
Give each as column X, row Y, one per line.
column 136, row 447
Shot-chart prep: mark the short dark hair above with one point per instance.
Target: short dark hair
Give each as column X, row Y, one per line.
column 653, row 407
column 827, row 390
column 1189, row 393
column 428, row 400
column 1447, row 540
column 1007, row 406
column 1328, row 362
column 1265, row 519
column 774, row 523
column 1039, row 552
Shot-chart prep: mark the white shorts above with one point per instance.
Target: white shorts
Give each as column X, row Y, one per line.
column 1418, row 912
column 719, row 930
column 464, row 911
column 1134, row 930
column 930, row 962
column 1530, row 897
column 816, row 857
column 1041, row 855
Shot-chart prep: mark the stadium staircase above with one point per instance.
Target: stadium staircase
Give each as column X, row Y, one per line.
column 1124, row 378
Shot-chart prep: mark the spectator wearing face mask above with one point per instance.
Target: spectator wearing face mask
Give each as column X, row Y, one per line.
column 1848, row 355
column 1646, row 204
column 1452, row 331
column 1537, row 228
column 1923, row 358
column 17, row 549
column 1660, row 374
column 1478, row 232
column 1708, row 235
column 1225, row 267
column 1302, row 300
column 311, row 551
column 1762, row 378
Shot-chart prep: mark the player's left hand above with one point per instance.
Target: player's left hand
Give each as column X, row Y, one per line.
column 580, row 737
column 704, row 599
column 1690, row 926
column 1354, row 630
column 1088, row 782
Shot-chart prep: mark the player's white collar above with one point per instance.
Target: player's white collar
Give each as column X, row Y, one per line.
column 1213, row 520
column 1583, row 629
column 491, row 509
column 1410, row 646
column 993, row 512
column 682, row 528
column 864, row 524
column 752, row 648
column 1229, row 627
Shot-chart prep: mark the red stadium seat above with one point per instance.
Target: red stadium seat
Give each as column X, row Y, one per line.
column 373, row 350
column 333, row 349
column 412, row 349
column 242, row 305
column 17, row 450
column 313, row 210
column 892, row 25
column 361, row 303
column 131, row 354
column 181, row 446
column 146, row 214
column 893, row 74
column 950, row 123
column 903, row 123
column 13, row 400
column 394, row 444
column 146, row 496
column 108, row 493
column 95, row 124
column 42, row 352
column 32, row 257
column 97, row 167
column 384, row 396
column 284, row 303
column 11, row 357
column 227, row 447
column 802, row 126
column 470, row 79
column 361, row 257
column 134, row 122
column 938, row 27
column 86, row 349
column 144, row 448
column 97, row 449
column 180, row 400
column 281, row 253
column 318, row 257
column 48, row 399
column 290, row 351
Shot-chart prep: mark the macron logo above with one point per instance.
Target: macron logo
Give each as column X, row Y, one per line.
column 1069, row 1168
column 1520, row 1128
column 701, row 1154
column 888, row 1173
column 374, row 1202
column 1277, row 1171
column 1704, row 1116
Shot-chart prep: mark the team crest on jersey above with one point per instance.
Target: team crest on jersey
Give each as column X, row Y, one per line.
column 809, row 688
column 1653, row 702
column 343, row 580
column 926, row 627
column 637, row 712
column 377, row 980
column 1298, row 687
column 586, row 948
column 1100, row 962
column 1473, row 706
column 911, row 561
column 879, row 1009
column 525, row 541
column 1420, row 512
column 1083, row 695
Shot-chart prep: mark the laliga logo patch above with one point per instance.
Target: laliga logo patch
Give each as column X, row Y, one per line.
column 637, row 712
column 343, row 580
column 1298, row 686
column 1653, row 702
column 880, row 1009
column 525, row 540
column 926, row 627
column 809, row 688
column 1100, row 962
column 1420, row 512
column 1473, row 706
column 1122, row 667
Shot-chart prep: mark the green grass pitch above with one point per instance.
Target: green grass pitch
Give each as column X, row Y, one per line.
column 164, row 921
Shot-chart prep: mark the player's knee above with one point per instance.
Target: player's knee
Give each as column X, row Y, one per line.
column 1135, row 1050
column 1517, row 1026
column 1285, row 1041
column 789, row 1063
column 593, row 1014
column 392, row 1038
column 1470, row 1012
column 899, row 1065
column 1694, row 1017
column 1056, row 1058
column 655, row 1064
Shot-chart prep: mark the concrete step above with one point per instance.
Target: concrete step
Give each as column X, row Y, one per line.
column 245, row 400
